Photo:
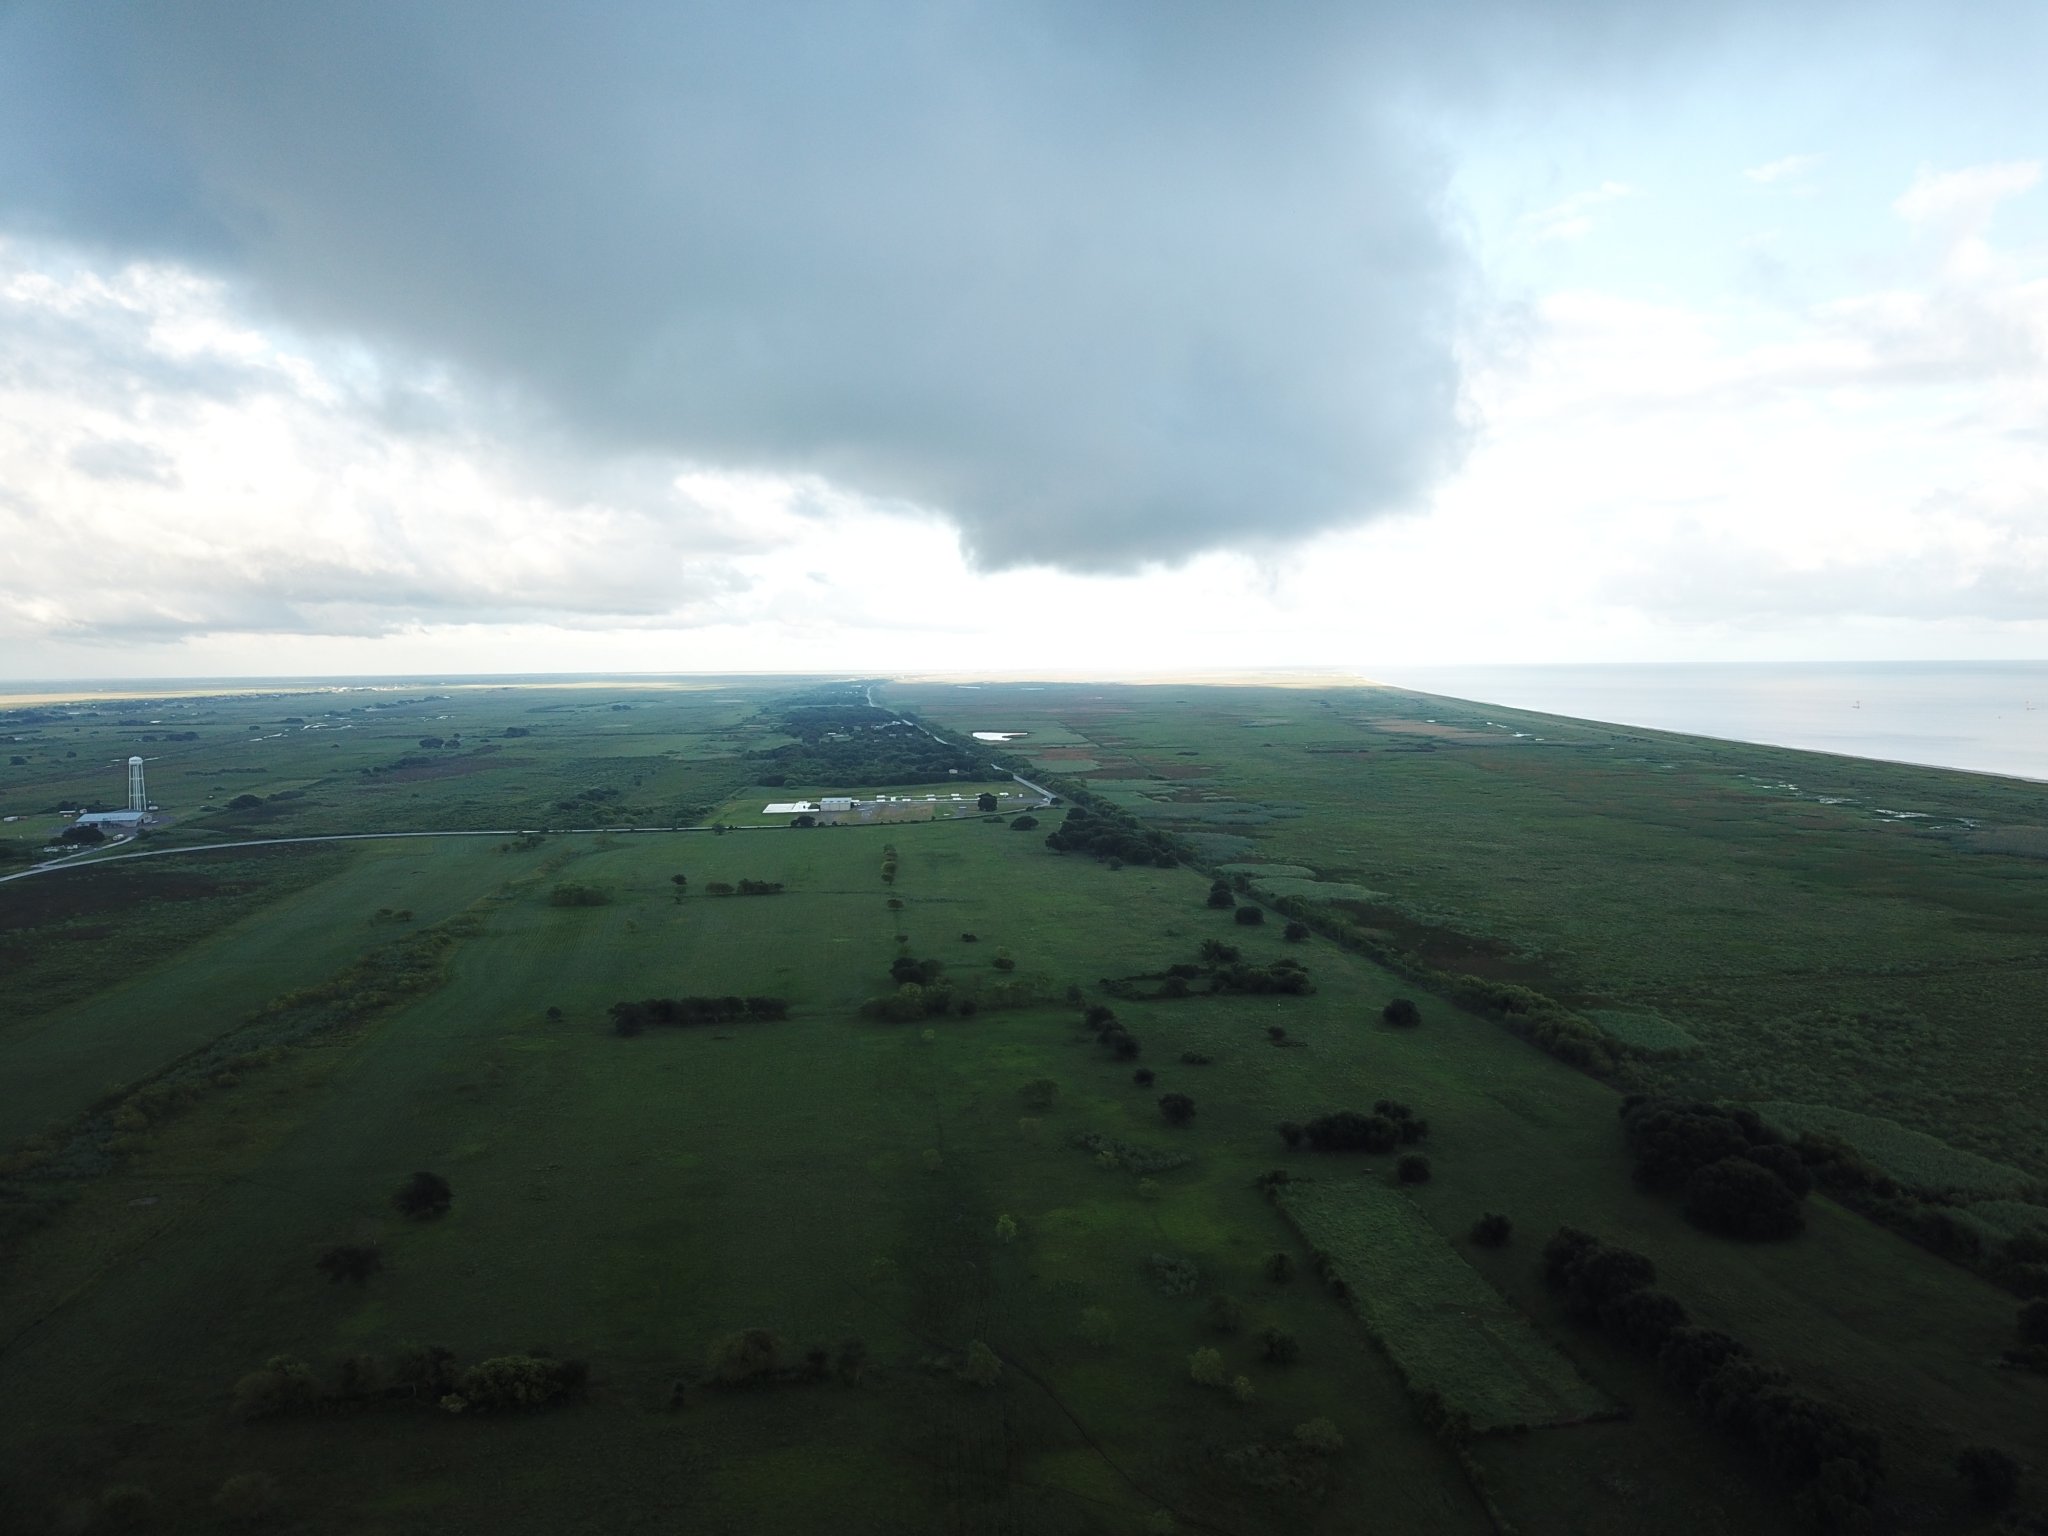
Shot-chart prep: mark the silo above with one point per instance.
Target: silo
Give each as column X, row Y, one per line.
column 137, row 799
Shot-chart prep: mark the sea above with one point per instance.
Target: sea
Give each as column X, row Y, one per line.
column 1984, row 716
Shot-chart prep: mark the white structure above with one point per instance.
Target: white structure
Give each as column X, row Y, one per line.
column 113, row 821
column 137, row 800
column 787, row 807
column 836, row 803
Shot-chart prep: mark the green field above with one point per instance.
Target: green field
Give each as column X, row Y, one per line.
column 191, row 1121
column 1447, row 1330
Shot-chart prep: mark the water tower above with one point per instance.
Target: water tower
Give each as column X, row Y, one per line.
column 137, row 800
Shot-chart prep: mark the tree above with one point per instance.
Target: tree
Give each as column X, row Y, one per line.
column 1402, row 1013
column 1278, row 1346
column 1024, row 824
column 1413, row 1169
column 1492, row 1230
column 82, row 834
column 681, row 883
column 1296, row 932
column 350, row 1261
column 1220, row 897
column 741, row 1357
column 1178, row 1108
column 1250, row 917
column 1142, row 1077
column 1737, row 1198
column 424, row 1195
column 984, row 801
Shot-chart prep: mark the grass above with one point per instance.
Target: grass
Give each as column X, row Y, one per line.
column 1648, row 1032
column 629, row 1200
column 1909, row 1156
column 1447, row 1330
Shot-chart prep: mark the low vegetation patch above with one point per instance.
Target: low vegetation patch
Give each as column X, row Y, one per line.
column 1911, row 1157
column 1448, row 1332
column 630, row 1018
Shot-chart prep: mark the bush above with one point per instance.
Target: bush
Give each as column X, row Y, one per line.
column 1492, row 1230
column 1402, row 1012
column 510, row 1382
column 423, row 1196
column 1319, row 1436
column 1142, row 1077
column 1194, row 1059
column 1205, row 1368
column 570, row 894
column 284, row 1385
column 1644, row 1320
column 739, row 1358
column 350, row 1261
column 1220, row 897
column 1250, row 917
column 1993, row 1477
column 1349, row 1131
column 1174, row 1275
column 1413, row 1169
column 1291, row 1132
column 969, row 938
column 1296, row 932
column 1040, row 1094
column 1277, row 1346
column 1178, row 1108
column 1024, row 824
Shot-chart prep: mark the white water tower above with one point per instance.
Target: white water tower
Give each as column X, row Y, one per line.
column 137, row 800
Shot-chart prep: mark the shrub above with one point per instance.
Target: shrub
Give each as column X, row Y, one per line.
column 423, row 1196
column 573, row 895
column 1004, row 961
column 1319, row 1436
column 1295, row 933
column 1279, row 1268
column 1993, row 1477
column 1006, row 1229
column 1278, row 1346
column 1250, row 917
column 1349, row 1131
column 1205, row 1368
column 1039, row 1094
column 1178, row 1108
column 742, row 1357
column 509, row 1382
column 284, row 1385
column 1142, row 1077
column 1413, row 1169
column 1194, row 1059
column 970, row 938
column 1492, row 1230
column 350, row 1261
column 1644, row 1320
column 1220, row 897
column 1291, row 1132
column 982, row 1366
column 1689, row 1356
column 1024, row 824
column 1402, row 1013
column 1174, row 1275
column 1738, row 1198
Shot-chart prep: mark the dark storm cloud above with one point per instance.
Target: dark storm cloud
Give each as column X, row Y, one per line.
column 1102, row 284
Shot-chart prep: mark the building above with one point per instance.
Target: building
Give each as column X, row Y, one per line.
column 112, row 821
column 836, row 803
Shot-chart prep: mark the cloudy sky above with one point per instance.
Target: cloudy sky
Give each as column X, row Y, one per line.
column 484, row 335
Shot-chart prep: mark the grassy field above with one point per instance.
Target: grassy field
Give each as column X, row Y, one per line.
column 631, row 1200
column 1447, row 1330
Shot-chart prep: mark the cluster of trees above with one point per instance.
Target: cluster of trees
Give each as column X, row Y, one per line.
column 1221, row 970
column 843, row 742
column 570, row 894
column 759, row 1356
column 1391, row 1124
column 1735, row 1174
column 744, row 888
column 1177, row 1108
column 630, row 1018
column 1837, row 1462
column 423, row 1197
column 918, row 995
column 1101, row 831
column 427, row 1377
column 1101, row 1021
column 888, row 863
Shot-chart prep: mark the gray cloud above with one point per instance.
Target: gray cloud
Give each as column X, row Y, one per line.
column 1100, row 284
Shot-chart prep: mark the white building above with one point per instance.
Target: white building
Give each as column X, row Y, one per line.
column 836, row 803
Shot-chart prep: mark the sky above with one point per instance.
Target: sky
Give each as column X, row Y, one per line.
column 414, row 336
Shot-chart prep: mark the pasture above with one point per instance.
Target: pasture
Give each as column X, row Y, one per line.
column 944, row 1192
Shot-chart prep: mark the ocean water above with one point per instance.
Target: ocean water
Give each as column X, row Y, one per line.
column 1987, row 716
